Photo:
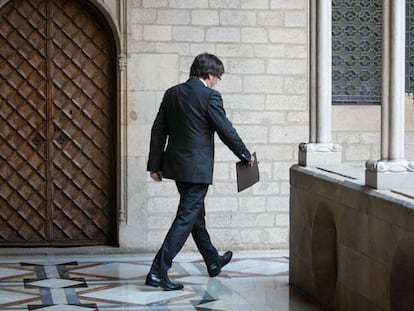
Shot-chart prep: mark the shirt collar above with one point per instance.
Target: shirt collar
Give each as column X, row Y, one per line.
column 204, row 82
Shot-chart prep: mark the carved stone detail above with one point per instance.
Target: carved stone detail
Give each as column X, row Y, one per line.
column 122, row 60
column 320, row 147
column 381, row 166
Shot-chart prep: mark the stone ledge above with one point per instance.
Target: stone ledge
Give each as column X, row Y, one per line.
column 356, row 242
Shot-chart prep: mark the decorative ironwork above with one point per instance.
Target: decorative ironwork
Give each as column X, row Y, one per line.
column 356, row 51
column 409, row 57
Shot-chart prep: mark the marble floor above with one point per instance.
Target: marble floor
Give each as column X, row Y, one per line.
column 251, row 281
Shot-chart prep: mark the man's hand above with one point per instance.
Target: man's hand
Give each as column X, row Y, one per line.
column 157, row 176
column 252, row 159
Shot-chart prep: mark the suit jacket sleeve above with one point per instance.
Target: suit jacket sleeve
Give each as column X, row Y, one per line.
column 225, row 129
column 159, row 135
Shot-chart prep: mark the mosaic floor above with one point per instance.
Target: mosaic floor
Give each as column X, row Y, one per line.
column 251, row 281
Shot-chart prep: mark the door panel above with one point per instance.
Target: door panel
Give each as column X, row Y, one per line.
column 23, row 155
column 57, row 121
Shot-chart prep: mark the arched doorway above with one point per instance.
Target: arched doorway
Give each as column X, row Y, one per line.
column 57, row 125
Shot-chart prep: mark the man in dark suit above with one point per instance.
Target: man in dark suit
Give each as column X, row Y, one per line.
column 189, row 115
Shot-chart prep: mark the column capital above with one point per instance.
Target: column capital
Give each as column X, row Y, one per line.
column 320, row 147
column 318, row 154
column 390, row 166
column 389, row 174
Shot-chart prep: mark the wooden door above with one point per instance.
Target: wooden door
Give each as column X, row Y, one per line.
column 57, row 125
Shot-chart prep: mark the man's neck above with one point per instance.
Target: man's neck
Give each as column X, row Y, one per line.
column 204, row 82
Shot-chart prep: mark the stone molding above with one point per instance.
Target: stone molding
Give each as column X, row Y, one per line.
column 122, row 106
column 116, row 15
column 319, row 154
column 389, row 174
column 382, row 166
column 343, row 236
column 320, row 147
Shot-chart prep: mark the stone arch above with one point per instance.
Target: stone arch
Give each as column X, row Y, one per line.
column 99, row 5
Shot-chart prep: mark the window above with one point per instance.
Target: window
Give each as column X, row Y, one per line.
column 409, row 57
column 356, row 51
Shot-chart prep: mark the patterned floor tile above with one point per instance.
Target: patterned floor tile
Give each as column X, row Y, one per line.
column 213, row 305
column 260, row 267
column 55, row 283
column 135, row 294
column 6, row 272
column 86, row 284
column 8, row 297
column 119, row 270
column 61, row 307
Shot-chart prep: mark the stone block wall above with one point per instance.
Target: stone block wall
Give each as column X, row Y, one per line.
column 263, row 45
column 358, row 129
column 351, row 247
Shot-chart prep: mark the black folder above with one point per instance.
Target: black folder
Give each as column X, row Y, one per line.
column 247, row 176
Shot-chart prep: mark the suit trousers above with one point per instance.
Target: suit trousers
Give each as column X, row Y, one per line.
column 190, row 218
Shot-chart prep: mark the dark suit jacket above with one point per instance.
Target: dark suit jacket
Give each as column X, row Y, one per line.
column 189, row 115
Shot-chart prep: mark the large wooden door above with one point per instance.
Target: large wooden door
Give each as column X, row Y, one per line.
column 57, row 125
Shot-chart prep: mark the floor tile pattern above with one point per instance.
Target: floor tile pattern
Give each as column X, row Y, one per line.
column 117, row 283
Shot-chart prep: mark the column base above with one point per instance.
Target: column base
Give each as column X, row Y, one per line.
column 319, row 154
column 389, row 174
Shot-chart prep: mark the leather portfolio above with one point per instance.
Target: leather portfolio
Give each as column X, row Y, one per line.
column 247, row 176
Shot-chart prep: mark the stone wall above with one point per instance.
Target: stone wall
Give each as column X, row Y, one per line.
column 358, row 129
column 351, row 247
column 263, row 45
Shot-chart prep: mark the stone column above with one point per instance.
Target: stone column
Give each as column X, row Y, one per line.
column 392, row 170
column 320, row 150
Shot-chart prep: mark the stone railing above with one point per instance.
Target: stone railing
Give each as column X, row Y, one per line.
column 351, row 247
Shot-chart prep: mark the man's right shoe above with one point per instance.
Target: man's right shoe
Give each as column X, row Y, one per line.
column 215, row 269
column 163, row 282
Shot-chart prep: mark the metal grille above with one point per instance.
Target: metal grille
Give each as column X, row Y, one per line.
column 56, row 125
column 356, row 51
column 409, row 57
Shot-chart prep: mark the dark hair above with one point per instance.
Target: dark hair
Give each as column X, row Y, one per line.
column 205, row 64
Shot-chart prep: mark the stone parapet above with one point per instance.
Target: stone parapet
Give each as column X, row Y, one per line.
column 351, row 247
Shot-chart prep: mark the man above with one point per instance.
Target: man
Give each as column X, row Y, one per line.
column 189, row 115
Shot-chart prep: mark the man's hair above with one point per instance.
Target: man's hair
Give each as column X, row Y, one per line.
column 205, row 64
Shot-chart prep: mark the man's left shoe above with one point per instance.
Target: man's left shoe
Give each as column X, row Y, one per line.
column 215, row 269
column 163, row 282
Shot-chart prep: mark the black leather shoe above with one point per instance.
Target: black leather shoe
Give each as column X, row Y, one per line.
column 215, row 269
column 163, row 282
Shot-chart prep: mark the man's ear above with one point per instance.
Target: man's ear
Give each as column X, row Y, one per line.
column 209, row 80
